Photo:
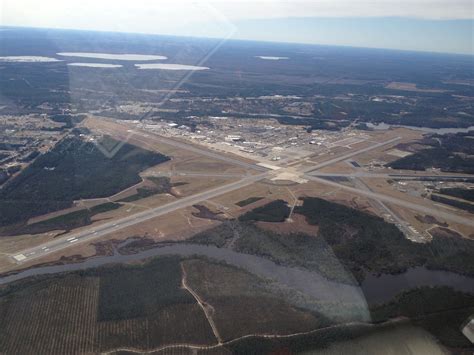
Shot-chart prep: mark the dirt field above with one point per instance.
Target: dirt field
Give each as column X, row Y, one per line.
column 410, row 87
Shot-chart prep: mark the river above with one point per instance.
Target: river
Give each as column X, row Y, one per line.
column 384, row 126
column 310, row 283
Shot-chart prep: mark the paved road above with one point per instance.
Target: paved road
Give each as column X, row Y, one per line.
column 349, row 155
column 192, row 174
column 401, row 224
column 106, row 228
column 192, row 148
column 113, row 226
column 396, row 201
column 364, row 174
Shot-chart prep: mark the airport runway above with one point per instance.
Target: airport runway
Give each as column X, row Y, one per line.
column 396, row 201
column 350, row 155
column 193, row 148
column 113, row 226
column 104, row 229
column 192, row 174
column 364, row 174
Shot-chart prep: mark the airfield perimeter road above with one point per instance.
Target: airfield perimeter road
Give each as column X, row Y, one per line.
column 363, row 174
column 396, row 201
column 104, row 229
column 175, row 173
column 113, row 226
column 350, row 155
column 134, row 133
column 134, row 219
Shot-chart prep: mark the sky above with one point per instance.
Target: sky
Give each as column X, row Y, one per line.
column 426, row 25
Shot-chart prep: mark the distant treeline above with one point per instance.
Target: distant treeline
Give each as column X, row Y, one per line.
column 450, row 153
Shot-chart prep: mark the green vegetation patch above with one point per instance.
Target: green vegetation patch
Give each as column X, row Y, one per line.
column 360, row 240
column 219, row 236
column 248, row 201
column 465, row 206
column 366, row 242
column 296, row 250
column 64, row 313
column 347, row 240
column 276, row 211
column 464, row 194
column 65, row 222
column 132, row 292
column 74, row 169
column 161, row 185
column 450, row 153
column 243, row 304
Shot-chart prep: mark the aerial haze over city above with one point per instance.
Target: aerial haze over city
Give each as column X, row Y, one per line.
column 237, row 178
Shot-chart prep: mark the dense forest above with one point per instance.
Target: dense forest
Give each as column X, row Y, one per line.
column 74, row 169
column 450, row 153
column 348, row 239
column 464, row 194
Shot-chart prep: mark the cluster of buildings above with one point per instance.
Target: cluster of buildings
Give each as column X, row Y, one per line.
column 22, row 138
column 259, row 139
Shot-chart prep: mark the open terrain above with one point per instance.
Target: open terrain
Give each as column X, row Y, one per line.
column 266, row 199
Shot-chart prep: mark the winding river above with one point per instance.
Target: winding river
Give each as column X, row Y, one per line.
column 383, row 126
column 313, row 285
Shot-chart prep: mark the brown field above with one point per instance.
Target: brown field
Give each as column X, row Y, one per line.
column 382, row 153
column 183, row 159
column 410, row 87
column 178, row 225
column 268, row 191
column 339, row 168
column 193, row 185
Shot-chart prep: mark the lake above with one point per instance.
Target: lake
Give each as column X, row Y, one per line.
column 163, row 66
column 95, row 65
column 271, row 58
column 384, row 126
column 112, row 56
column 28, row 59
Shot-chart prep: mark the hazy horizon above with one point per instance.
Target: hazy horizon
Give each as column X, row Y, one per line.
column 420, row 25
